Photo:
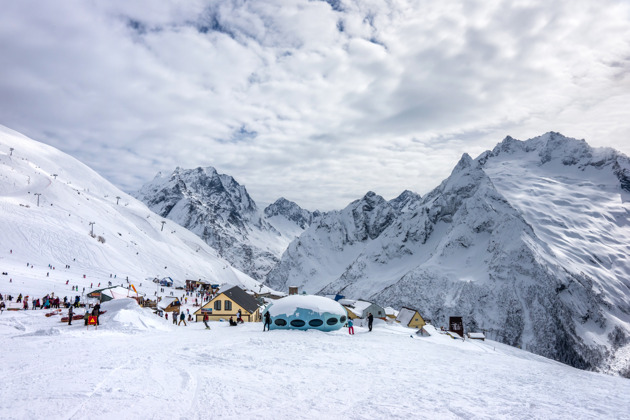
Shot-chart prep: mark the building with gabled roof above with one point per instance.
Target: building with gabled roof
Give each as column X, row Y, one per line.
column 361, row 309
column 169, row 304
column 227, row 303
column 410, row 318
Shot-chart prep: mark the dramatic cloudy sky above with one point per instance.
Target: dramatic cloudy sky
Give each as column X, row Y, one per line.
column 316, row 101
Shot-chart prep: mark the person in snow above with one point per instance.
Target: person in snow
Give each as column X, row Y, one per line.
column 239, row 317
column 70, row 314
column 182, row 318
column 96, row 311
column 86, row 317
column 232, row 322
column 267, row 321
column 175, row 316
column 370, row 320
column 350, row 327
column 205, row 321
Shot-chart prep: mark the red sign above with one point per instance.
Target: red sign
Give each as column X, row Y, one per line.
column 91, row 320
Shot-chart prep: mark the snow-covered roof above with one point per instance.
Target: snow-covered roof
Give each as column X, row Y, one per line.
column 166, row 300
column 391, row 311
column 288, row 305
column 357, row 307
column 118, row 292
column 405, row 315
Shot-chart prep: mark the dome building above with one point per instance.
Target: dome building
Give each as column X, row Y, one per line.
column 303, row 312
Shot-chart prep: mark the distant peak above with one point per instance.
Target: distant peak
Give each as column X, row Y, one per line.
column 464, row 163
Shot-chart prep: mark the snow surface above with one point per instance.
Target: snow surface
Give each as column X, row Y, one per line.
column 289, row 304
column 135, row 244
column 138, row 365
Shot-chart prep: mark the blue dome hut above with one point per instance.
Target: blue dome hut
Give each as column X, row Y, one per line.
column 304, row 312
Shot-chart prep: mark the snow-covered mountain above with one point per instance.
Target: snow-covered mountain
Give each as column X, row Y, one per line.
column 57, row 212
column 529, row 242
column 221, row 212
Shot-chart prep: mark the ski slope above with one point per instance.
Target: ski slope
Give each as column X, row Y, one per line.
column 138, row 365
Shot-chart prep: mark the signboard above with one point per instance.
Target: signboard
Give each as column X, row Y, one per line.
column 91, row 320
column 206, row 310
column 456, row 325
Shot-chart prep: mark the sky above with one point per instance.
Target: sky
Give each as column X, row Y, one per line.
column 315, row 101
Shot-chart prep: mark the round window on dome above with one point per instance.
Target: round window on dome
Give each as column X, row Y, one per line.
column 342, row 319
column 280, row 322
column 298, row 323
column 315, row 322
column 331, row 321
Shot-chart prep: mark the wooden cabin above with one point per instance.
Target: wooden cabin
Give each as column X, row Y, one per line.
column 226, row 304
column 169, row 304
column 361, row 309
column 410, row 318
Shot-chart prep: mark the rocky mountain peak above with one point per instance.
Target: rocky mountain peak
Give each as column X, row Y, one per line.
column 291, row 211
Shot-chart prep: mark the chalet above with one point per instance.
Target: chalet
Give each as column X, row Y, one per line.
column 114, row 292
column 201, row 285
column 226, row 304
column 169, row 304
column 167, row 282
column 361, row 309
column 410, row 318
column 391, row 313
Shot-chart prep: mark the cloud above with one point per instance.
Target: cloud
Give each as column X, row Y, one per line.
column 317, row 101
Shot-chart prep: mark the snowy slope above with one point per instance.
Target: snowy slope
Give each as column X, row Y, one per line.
column 220, row 211
column 137, row 365
column 129, row 240
column 530, row 246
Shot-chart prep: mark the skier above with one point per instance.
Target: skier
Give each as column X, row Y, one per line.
column 350, row 327
column 70, row 313
column 239, row 319
column 267, row 321
column 205, row 321
column 175, row 316
column 182, row 318
column 370, row 320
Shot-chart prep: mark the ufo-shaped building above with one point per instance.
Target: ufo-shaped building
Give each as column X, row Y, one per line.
column 303, row 312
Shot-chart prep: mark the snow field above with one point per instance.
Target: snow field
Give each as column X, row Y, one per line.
column 138, row 365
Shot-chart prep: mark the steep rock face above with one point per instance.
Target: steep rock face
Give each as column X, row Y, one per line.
column 323, row 251
column 291, row 211
column 527, row 242
column 221, row 212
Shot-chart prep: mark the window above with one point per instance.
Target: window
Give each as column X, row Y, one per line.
column 280, row 322
column 315, row 322
column 342, row 319
column 228, row 305
column 331, row 321
column 298, row 323
column 217, row 305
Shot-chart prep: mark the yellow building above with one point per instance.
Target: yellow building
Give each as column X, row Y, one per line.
column 227, row 304
column 410, row 318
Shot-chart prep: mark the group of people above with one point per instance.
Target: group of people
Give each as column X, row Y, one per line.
column 96, row 312
column 370, row 319
column 239, row 319
column 181, row 316
column 49, row 301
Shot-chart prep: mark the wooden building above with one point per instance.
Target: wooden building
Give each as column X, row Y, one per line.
column 410, row 318
column 226, row 304
column 169, row 304
column 361, row 309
